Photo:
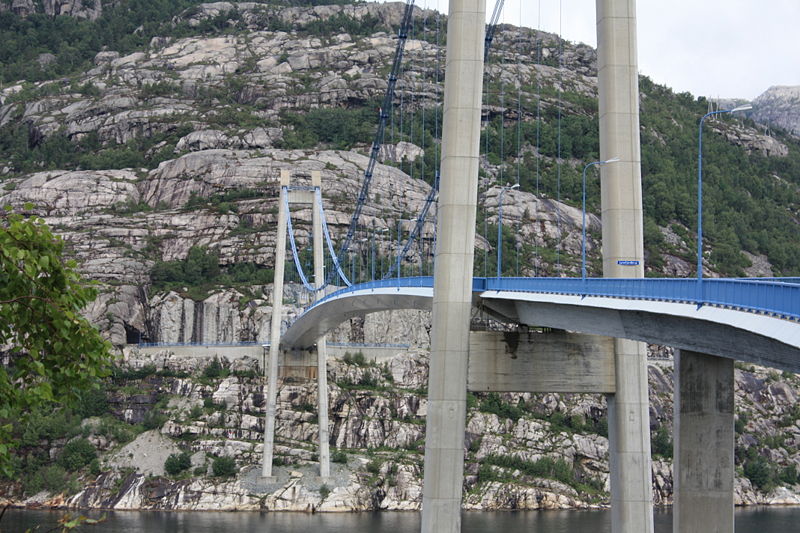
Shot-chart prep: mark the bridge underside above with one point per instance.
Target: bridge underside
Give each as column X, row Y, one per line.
column 710, row 330
column 708, row 339
column 743, row 336
column 319, row 320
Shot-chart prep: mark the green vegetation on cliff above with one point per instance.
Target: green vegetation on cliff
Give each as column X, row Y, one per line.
column 750, row 198
column 126, row 26
column 199, row 272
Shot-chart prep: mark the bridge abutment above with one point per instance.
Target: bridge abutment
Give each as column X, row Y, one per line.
column 703, row 443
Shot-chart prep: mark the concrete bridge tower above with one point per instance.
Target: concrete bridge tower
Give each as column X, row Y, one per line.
column 622, row 257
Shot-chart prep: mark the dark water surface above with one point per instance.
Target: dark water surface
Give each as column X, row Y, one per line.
column 748, row 520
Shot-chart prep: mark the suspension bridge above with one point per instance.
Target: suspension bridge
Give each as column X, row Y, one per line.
column 711, row 321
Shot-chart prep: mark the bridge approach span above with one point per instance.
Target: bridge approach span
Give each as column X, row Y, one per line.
column 746, row 320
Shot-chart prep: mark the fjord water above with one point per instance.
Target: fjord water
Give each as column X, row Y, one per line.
column 748, row 520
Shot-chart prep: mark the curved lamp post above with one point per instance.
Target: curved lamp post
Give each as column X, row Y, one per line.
column 583, row 225
column 399, row 235
column 500, row 227
column 744, row 107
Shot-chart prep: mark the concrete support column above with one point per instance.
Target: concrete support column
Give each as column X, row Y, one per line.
column 704, row 440
column 271, row 370
column 623, row 256
column 322, row 348
column 452, row 293
column 629, row 441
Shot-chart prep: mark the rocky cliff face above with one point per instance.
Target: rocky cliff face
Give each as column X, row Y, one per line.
column 85, row 9
column 220, row 138
column 206, row 116
column 523, row 451
column 779, row 107
column 202, row 128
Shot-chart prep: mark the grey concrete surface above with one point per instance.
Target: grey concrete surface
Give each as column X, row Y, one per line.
column 703, row 444
column 275, row 332
column 555, row 361
column 452, row 295
column 623, row 257
column 759, row 339
column 322, row 349
column 304, row 331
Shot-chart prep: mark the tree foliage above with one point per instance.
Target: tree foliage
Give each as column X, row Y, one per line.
column 340, row 128
column 54, row 352
column 77, row 454
column 177, row 463
column 199, row 272
column 223, row 467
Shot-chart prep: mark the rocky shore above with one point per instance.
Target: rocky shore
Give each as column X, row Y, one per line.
column 523, row 451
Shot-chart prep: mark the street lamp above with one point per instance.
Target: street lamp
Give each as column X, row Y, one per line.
column 500, row 226
column 399, row 235
column 583, row 230
column 744, row 107
column 381, row 231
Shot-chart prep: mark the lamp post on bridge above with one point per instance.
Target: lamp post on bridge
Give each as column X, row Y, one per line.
column 583, row 210
column 381, row 231
column 500, row 226
column 399, row 250
column 744, row 107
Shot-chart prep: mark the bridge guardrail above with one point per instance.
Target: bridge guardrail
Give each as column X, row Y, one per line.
column 779, row 297
column 391, row 283
column 773, row 296
column 793, row 281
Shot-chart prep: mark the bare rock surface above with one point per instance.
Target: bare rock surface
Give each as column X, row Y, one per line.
column 779, row 106
column 146, row 454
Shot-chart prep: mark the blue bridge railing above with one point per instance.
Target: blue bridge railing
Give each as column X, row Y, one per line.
column 774, row 296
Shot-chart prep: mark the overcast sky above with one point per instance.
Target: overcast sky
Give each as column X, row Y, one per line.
column 714, row 48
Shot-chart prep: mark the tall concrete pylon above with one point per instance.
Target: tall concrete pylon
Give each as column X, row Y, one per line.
column 304, row 196
column 704, row 466
column 452, row 291
column 623, row 257
column 322, row 343
column 271, row 368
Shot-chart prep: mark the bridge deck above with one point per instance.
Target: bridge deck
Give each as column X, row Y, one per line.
column 755, row 320
column 772, row 296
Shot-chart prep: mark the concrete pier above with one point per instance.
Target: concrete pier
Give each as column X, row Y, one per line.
column 322, row 345
column 452, row 294
column 623, row 257
column 704, row 440
column 275, row 332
